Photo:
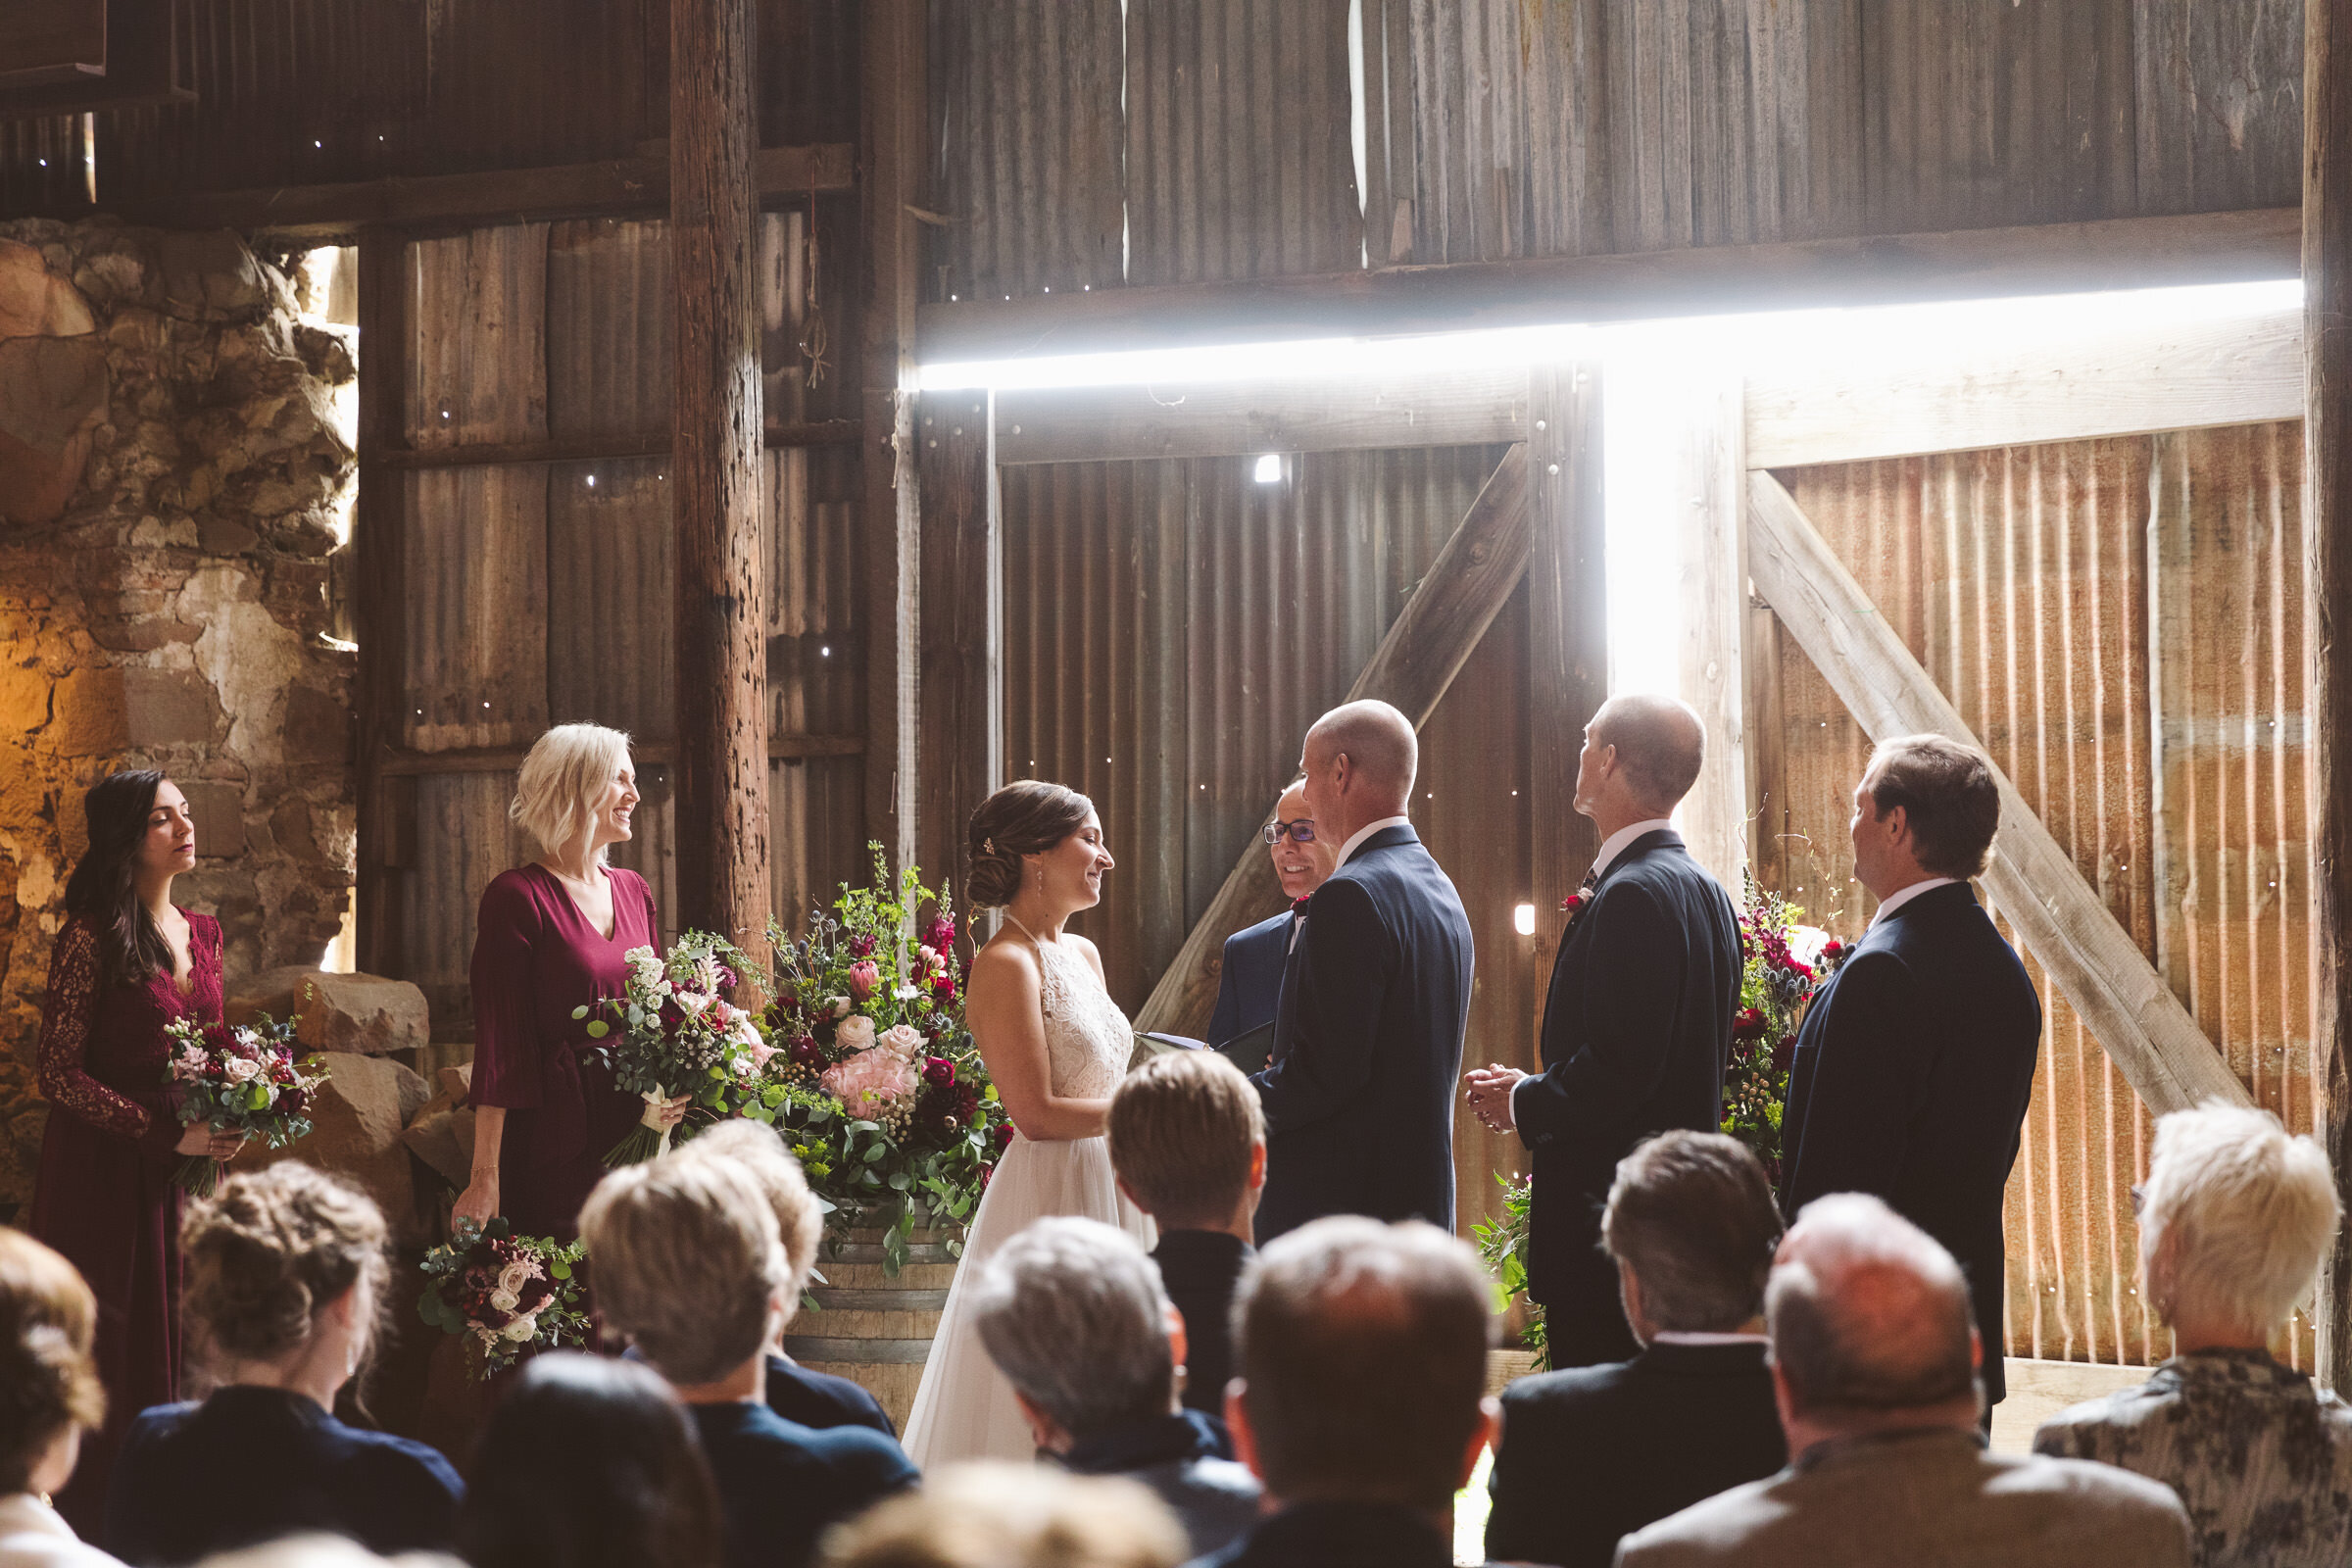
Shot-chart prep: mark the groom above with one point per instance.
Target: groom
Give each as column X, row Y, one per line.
column 1375, row 997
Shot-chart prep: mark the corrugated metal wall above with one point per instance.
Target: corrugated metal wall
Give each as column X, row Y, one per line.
column 1172, row 628
column 541, row 593
column 2121, row 621
column 1497, row 128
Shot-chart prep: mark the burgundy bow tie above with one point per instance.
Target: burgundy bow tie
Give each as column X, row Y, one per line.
column 1298, row 906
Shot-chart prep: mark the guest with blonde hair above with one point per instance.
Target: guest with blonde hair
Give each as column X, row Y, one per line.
column 288, row 1277
column 999, row 1515
column 691, row 1269
column 49, row 1397
column 549, row 939
column 2234, row 1220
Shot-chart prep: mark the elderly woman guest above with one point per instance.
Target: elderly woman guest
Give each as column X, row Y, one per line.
column 127, row 964
column 589, row 1463
column 549, row 939
column 2234, row 1220
column 49, row 1397
column 287, row 1276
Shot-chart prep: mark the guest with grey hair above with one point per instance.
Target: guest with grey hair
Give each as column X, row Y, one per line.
column 1074, row 1315
column 1875, row 1369
column 2234, row 1220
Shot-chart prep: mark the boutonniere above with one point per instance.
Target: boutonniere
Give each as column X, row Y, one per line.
column 1574, row 907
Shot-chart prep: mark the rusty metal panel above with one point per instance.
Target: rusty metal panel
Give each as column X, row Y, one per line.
column 478, row 372
column 2157, row 737
column 464, row 839
column 608, row 327
column 476, row 606
column 610, row 655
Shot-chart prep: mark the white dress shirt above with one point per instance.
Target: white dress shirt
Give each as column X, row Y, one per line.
column 1902, row 896
column 33, row 1535
column 1615, row 844
column 1366, row 831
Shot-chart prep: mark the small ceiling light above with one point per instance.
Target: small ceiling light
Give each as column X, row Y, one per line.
column 1269, row 470
column 1523, row 919
column 592, row 482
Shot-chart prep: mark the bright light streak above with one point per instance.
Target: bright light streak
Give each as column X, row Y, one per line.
column 1268, row 469
column 1523, row 919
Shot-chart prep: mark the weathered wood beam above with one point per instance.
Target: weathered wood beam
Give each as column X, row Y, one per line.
column 891, row 108
column 1879, row 269
column 380, row 620
column 1285, row 413
column 720, row 608
column 2241, row 370
column 394, row 761
column 2328, row 545
column 600, row 448
column 1474, row 574
column 2036, row 886
column 615, row 187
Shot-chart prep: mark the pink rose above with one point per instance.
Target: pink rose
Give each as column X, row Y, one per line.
column 871, row 1080
column 863, row 977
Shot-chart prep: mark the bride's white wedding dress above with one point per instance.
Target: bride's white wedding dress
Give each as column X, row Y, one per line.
column 963, row 1409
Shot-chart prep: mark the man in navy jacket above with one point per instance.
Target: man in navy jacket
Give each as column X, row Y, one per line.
column 1637, row 1021
column 1250, row 979
column 1375, row 997
column 1913, row 1068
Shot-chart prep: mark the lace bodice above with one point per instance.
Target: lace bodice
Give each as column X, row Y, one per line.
column 1088, row 1038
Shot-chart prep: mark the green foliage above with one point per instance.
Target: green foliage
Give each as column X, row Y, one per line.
column 1502, row 1243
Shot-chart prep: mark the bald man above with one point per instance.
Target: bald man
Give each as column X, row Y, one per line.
column 1638, row 1022
column 1375, row 997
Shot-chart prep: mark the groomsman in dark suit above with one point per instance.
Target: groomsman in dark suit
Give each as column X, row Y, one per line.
column 1913, row 1068
column 1250, row 979
column 1375, row 995
column 1638, row 1022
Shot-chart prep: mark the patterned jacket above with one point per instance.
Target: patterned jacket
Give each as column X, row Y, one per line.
column 2262, row 1459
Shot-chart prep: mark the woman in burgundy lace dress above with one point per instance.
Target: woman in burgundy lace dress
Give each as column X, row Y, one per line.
column 549, row 939
column 128, row 964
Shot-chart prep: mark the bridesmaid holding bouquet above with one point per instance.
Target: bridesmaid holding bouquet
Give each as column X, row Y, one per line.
column 128, row 965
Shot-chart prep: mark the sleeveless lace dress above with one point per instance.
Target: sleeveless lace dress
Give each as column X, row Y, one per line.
column 963, row 1409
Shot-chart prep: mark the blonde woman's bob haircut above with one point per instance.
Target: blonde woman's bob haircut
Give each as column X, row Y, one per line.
column 562, row 780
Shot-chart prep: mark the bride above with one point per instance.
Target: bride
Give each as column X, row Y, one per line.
column 1055, row 1046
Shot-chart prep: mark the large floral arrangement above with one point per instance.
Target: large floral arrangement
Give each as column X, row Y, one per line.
column 679, row 1035
column 238, row 1078
column 1783, row 964
column 504, row 1293
column 873, row 1078
column 1502, row 1245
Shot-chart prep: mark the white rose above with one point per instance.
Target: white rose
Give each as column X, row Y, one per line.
column 855, row 1033
column 902, row 1040
column 839, row 1004
column 240, row 1070
column 690, row 1003
column 504, row 1300
column 523, row 1330
column 515, row 1276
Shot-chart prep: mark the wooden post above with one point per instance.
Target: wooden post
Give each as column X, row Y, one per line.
column 387, row 806
column 961, row 740
column 2327, row 515
column 890, row 183
column 722, row 777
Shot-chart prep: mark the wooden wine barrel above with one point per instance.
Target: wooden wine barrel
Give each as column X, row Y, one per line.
column 869, row 1327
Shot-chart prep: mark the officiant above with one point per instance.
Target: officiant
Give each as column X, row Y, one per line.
column 1249, row 977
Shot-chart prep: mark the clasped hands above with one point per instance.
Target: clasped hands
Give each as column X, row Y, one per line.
column 1487, row 1092
column 201, row 1142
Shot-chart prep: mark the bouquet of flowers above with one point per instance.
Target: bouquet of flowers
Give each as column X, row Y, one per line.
column 678, row 1036
column 238, row 1078
column 875, row 1080
column 1782, row 966
column 504, row 1292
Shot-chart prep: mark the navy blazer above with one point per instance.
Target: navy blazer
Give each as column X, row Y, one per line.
column 820, row 1402
column 1910, row 1081
column 1368, row 1043
column 1250, row 979
column 1596, row 1452
column 782, row 1486
column 1200, row 1270
column 251, row 1464
column 1637, row 1029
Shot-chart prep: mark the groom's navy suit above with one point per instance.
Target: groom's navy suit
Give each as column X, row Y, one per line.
column 1910, row 1081
column 1367, row 1044
column 1637, row 1028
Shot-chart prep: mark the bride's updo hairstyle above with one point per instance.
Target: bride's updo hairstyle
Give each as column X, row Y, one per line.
column 1027, row 816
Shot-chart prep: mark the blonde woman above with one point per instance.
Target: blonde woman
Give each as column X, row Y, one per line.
column 549, row 939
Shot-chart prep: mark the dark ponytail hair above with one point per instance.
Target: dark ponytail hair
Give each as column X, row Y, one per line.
column 104, row 887
column 1026, row 817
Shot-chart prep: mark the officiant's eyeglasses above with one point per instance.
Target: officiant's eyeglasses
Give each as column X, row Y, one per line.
column 1303, row 831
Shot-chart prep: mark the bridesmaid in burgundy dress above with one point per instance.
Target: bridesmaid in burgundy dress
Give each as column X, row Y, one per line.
column 128, row 964
column 549, row 938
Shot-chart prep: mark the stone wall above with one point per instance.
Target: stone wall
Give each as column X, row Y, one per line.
column 170, row 475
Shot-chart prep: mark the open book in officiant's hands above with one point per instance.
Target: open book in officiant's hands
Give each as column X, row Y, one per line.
column 1249, row 1050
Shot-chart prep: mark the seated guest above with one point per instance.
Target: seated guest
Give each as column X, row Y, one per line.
column 1189, row 1144
column 589, row 1463
column 1073, row 1315
column 1011, row 1516
column 815, row 1400
column 2234, row 1221
column 1362, row 1400
column 691, row 1270
column 1250, row 973
column 1593, row 1453
column 1874, row 1365
column 286, row 1278
column 49, row 1397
